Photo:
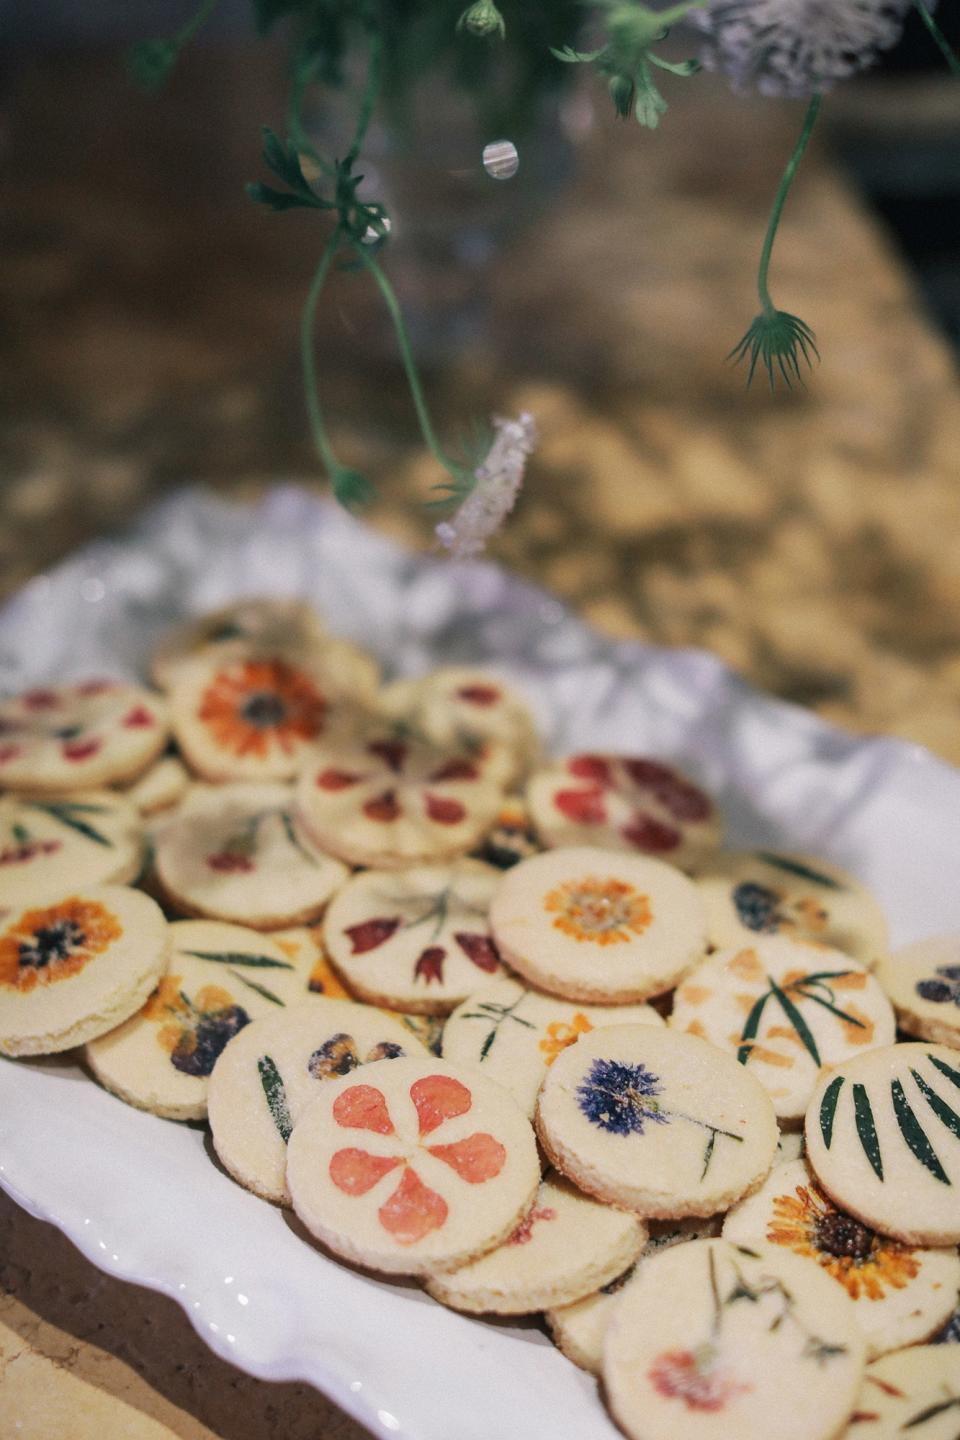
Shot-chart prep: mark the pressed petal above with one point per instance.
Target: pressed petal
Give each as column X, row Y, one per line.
column 80, row 749
column 139, row 718
column 475, row 1159
column 649, row 834
column 444, row 811
column 357, row 1171
column 382, row 807
column 430, row 965
column 371, row 933
column 480, row 949
column 482, row 695
column 438, row 1098
column 391, row 752
column 584, row 807
column 336, row 779
column 413, row 1210
column 455, row 770
column 591, row 767
column 362, row 1107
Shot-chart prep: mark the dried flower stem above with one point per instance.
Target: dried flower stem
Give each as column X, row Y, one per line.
column 308, row 359
column 939, row 38
column 783, row 190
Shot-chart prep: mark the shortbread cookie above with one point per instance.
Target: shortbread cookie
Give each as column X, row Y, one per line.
column 514, row 1034
column 389, row 801
column 79, row 737
column 763, row 893
column 714, row 1339
column 902, row 1295
column 578, row 1329
column 240, row 853
column 219, row 978
column 270, row 1071
column 923, row 982
column 74, row 968
column 656, row 1122
column 914, row 1392
column 512, row 838
column 883, row 1139
column 785, row 1007
column 266, row 621
column 427, row 1028
column 414, row 1168
column 591, row 924
column 462, row 709
column 415, row 940
column 160, row 787
column 564, row 1248
column 623, row 802
column 52, row 844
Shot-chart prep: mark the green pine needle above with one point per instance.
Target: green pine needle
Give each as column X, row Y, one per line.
column 779, row 339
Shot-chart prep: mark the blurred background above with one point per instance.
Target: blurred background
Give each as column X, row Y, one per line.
column 149, row 320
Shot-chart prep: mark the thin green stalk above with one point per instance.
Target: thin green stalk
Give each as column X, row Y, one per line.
column 371, row 94
column 793, row 164
column 186, row 33
column 308, row 360
column 939, row 38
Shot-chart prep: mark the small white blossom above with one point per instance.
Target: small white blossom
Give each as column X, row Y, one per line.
column 795, row 47
column 498, row 481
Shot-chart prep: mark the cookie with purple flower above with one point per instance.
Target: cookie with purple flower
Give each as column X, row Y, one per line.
column 923, row 983
column 659, row 1123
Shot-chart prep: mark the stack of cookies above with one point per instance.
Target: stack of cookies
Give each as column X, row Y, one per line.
column 516, row 1026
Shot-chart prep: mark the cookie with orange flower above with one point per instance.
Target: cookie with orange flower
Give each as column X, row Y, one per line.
column 218, row 979
column 54, row 739
column 412, row 1166
column 514, row 1034
column 73, row 968
column 785, row 1007
column 903, row 1294
column 240, row 853
column 598, row 925
column 714, row 1339
column 52, row 844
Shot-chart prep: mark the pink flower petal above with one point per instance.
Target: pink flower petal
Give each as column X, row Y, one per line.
column 591, row 767
column 362, row 1107
column 583, row 807
column 80, row 749
column 438, row 1098
column 480, row 949
column 482, row 695
column 475, row 1159
column 443, row 811
column 651, row 835
column 371, row 933
column 336, row 780
column 413, row 1210
column 357, row 1171
column 40, row 700
column 139, row 718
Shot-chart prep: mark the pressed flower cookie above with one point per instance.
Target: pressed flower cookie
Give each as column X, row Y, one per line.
column 417, row 939
column 52, row 844
column 263, row 622
column 623, row 802
column 239, row 852
column 79, row 737
column 902, row 1295
column 514, row 1034
column 73, row 968
column 219, row 978
column 160, row 787
column 713, row 1339
column 923, row 982
column 764, row 893
column 565, row 1247
column 656, row 1122
column 914, row 1392
column 785, row 1007
column 413, row 1168
column 390, row 800
column 592, row 924
column 270, row 1071
column 883, row 1139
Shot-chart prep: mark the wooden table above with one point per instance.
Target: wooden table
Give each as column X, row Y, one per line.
column 148, row 336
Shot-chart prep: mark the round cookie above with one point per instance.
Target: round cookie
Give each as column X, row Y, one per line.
column 883, row 1139
column 79, row 737
column 415, row 940
column 52, row 844
column 923, row 983
column 785, row 1007
column 219, row 978
column 591, row 924
column 265, row 621
column 564, row 1248
column 269, row 1072
column 414, row 1169
column 74, row 968
column 902, row 1295
column 656, row 1122
column 389, row 800
column 623, row 802
column 710, row 1339
column 764, row 893
column 514, row 1034
column 162, row 786
column 239, row 853
column 914, row 1392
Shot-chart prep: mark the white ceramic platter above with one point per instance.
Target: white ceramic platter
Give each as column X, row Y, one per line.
column 142, row 1197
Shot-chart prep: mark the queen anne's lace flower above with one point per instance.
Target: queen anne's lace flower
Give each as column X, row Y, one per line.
column 795, row 47
column 498, row 481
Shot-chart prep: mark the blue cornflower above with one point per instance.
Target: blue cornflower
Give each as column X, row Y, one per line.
column 620, row 1098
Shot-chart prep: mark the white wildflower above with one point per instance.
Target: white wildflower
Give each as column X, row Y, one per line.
column 795, row 47
column 498, row 480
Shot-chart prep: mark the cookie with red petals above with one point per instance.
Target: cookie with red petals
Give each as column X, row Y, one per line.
column 80, row 736
column 50, row 844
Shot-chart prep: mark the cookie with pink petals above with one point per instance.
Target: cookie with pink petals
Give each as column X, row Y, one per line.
column 51, row 844
column 80, row 736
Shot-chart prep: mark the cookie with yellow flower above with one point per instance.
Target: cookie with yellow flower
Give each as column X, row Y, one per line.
column 514, row 1034
column 73, row 968
column 903, row 1294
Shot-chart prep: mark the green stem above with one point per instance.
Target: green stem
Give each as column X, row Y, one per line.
column 939, row 38
column 783, row 190
column 186, row 33
column 371, row 94
column 307, row 321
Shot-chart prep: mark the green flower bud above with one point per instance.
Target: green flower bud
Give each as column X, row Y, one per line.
column 483, row 18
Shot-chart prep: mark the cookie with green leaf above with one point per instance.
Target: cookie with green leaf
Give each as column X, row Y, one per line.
column 218, row 979
column 272, row 1069
column 883, row 1139
column 240, row 853
column 912, row 1393
column 785, row 1007
column 50, row 844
